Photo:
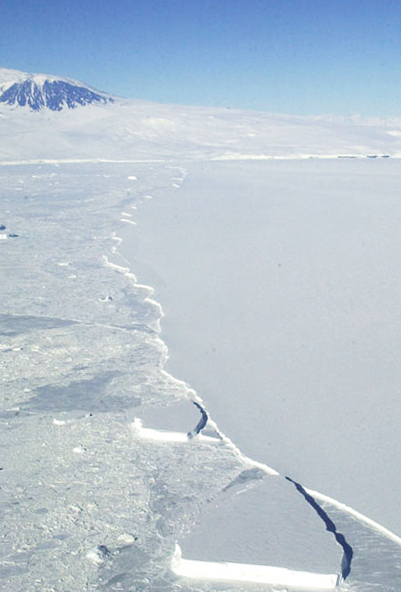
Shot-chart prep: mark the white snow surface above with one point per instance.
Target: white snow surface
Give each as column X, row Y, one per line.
column 310, row 340
column 258, row 574
column 9, row 76
column 129, row 130
column 268, row 284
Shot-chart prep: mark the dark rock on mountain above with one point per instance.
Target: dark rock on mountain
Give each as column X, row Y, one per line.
column 39, row 92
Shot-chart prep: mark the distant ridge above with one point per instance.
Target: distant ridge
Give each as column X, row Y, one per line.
column 49, row 118
column 41, row 91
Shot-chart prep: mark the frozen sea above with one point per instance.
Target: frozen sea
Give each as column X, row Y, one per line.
column 280, row 291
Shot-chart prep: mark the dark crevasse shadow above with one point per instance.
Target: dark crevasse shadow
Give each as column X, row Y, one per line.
column 330, row 527
column 280, row 531
column 259, row 520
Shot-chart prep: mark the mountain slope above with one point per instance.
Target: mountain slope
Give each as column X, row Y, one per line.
column 37, row 91
column 39, row 119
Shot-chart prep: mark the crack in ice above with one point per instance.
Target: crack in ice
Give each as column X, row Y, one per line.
column 201, row 423
column 330, row 527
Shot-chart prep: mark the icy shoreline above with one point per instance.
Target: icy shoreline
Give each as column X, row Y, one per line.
column 161, row 275
column 310, row 296
column 89, row 504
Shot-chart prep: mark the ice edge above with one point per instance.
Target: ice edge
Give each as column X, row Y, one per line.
column 225, row 571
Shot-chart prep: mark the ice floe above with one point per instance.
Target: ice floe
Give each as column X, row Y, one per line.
column 256, row 574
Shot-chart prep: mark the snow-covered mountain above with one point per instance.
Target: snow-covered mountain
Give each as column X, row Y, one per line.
column 40, row 91
column 37, row 117
column 280, row 286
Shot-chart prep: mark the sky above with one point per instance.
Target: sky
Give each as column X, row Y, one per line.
column 304, row 57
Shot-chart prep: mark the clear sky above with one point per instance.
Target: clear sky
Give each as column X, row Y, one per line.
column 283, row 56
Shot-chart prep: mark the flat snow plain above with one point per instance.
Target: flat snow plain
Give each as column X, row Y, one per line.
column 279, row 285
column 281, row 290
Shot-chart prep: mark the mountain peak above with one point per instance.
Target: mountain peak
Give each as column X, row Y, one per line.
column 42, row 91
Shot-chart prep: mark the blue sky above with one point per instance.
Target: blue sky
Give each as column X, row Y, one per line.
column 283, row 56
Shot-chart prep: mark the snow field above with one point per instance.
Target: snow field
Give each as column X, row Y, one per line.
column 87, row 505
